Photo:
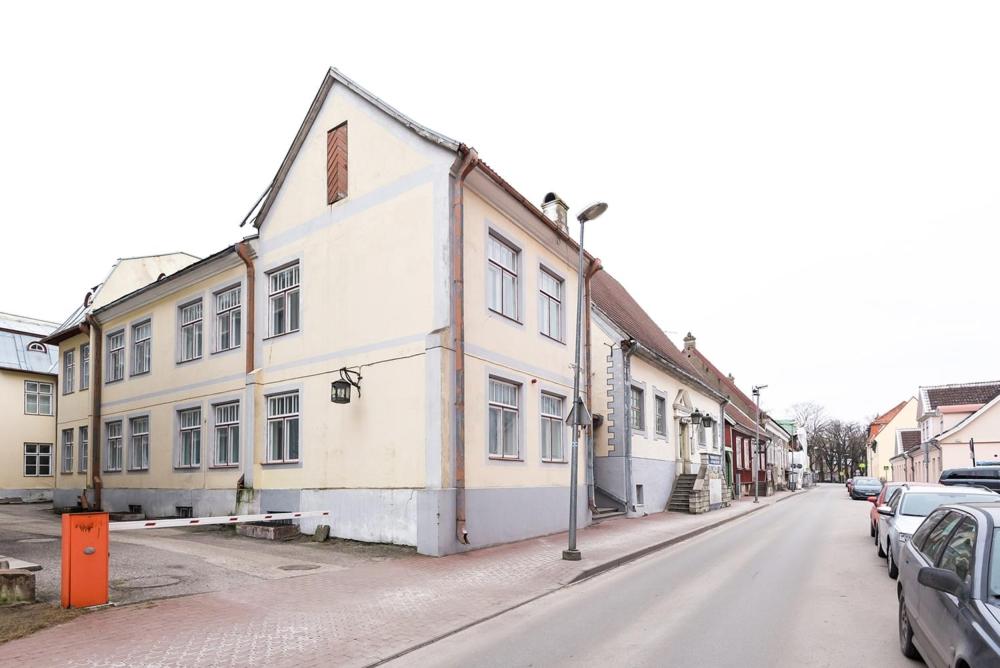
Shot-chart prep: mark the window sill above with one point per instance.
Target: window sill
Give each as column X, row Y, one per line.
column 112, row 471
column 498, row 458
column 281, row 462
column 272, row 337
column 145, row 470
column 506, row 317
column 224, row 467
column 225, row 350
column 187, row 469
column 66, row 394
column 112, row 382
column 40, row 414
column 67, row 473
column 193, row 359
column 554, row 461
column 552, row 339
column 140, row 373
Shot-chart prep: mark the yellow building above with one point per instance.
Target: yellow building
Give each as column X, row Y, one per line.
column 886, row 438
column 27, row 409
column 387, row 260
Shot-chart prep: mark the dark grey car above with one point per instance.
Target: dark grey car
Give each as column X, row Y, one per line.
column 865, row 487
column 949, row 588
column 979, row 476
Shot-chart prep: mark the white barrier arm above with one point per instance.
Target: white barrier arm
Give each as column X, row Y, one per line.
column 201, row 521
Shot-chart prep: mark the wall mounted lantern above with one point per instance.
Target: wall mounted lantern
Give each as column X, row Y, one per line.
column 706, row 420
column 340, row 390
column 696, row 416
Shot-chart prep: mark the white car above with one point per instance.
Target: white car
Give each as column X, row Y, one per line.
column 909, row 505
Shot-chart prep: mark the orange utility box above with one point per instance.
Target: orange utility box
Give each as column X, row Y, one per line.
column 84, row 559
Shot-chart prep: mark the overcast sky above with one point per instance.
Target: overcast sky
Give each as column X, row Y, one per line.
column 811, row 188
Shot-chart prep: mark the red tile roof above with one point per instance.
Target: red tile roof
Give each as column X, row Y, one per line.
column 879, row 423
column 909, row 438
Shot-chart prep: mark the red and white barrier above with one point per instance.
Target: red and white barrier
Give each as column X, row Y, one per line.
column 201, row 521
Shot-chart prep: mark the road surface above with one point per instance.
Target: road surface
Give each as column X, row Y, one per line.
column 797, row 584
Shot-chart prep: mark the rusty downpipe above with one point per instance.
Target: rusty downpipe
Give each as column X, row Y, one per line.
column 96, row 381
column 246, row 254
column 595, row 266
column 468, row 160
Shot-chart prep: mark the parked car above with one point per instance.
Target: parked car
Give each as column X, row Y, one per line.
column 949, row 588
column 883, row 496
column 907, row 508
column 981, row 476
column 864, row 487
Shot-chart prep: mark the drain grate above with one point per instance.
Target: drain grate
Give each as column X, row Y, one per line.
column 299, row 567
column 148, row 582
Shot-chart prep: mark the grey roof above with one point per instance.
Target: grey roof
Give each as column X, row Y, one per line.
column 16, row 334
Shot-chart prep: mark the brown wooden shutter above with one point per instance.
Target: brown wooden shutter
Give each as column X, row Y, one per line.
column 336, row 164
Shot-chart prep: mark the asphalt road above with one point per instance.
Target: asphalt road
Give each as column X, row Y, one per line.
column 797, row 584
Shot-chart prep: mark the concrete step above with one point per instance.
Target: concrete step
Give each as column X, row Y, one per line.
column 598, row 517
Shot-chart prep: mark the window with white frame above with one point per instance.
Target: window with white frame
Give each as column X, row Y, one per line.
column 84, row 458
column 141, row 352
column 67, row 450
column 637, row 409
column 113, row 458
column 502, row 277
column 550, row 300
column 190, row 325
column 116, row 356
column 36, row 347
column 138, row 445
column 553, row 439
column 37, row 398
column 504, row 409
column 661, row 416
column 283, row 428
column 37, row 459
column 227, row 434
column 283, row 300
column 85, row 366
column 189, row 454
column 69, row 371
column 227, row 319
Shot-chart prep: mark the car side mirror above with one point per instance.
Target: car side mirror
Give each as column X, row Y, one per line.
column 873, row 499
column 884, row 510
column 941, row 579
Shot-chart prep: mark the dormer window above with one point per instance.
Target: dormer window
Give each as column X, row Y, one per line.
column 36, row 347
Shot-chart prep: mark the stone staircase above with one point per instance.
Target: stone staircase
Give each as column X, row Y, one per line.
column 680, row 497
column 604, row 513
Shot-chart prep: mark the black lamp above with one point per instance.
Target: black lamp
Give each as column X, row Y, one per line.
column 340, row 390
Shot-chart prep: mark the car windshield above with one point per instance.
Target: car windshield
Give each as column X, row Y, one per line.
column 921, row 505
column 867, row 482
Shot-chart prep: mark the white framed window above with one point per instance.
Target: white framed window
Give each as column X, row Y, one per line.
column 84, row 458
column 283, row 300
column 67, row 450
column 550, row 304
column 553, row 431
column 37, row 459
column 503, row 424
column 138, row 444
column 501, row 277
column 116, row 356
column 227, row 434
column 228, row 319
column 283, row 428
column 141, row 353
column 661, row 416
column 637, row 409
column 113, row 458
column 69, row 371
column 189, row 454
column 37, row 398
column 190, row 331
column 36, row 347
column 85, row 366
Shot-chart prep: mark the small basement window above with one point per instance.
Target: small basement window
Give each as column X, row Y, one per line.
column 640, row 499
column 185, row 512
column 134, row 509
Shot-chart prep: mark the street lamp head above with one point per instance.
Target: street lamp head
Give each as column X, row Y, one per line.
column 592, row 212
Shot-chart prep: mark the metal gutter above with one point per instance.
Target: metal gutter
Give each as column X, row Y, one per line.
column 96, row 380
column 595, row 266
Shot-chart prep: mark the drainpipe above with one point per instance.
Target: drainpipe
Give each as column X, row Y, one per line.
column 468, row 160
column 722, row 445
column 246, row 254
column 595, row 266
column 96, row 380
column 628, row 347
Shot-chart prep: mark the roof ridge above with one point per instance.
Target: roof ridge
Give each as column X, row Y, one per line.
column 970, row 384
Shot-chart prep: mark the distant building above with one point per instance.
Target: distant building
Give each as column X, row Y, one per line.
column 885, row 440
column 27, row 408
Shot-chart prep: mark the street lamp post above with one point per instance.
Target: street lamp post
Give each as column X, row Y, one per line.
column 578, row 412
column 756, row 444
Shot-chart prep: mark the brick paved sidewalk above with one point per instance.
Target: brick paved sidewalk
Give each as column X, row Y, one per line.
column 356, row 617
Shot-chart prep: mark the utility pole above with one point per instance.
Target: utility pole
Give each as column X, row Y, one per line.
column 756, row 444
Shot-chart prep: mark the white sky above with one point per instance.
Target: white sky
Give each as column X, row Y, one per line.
column 810, row 188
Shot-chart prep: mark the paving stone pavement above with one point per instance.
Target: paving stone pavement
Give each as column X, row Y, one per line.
column 349, row 618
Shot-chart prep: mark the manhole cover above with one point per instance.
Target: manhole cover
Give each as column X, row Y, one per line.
column 298, row 567
column 37, row 540
column 147, row 582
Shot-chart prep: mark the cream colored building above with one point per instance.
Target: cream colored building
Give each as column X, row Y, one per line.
column 384, row 255
column 28, row 398
column 885, row 439
column 659, row 442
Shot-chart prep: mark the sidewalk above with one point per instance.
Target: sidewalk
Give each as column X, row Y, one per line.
column 357, row 617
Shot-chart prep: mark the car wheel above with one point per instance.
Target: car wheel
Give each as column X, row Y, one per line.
column 893, row 569
column 872, row 529
column 906, row 645
column 881, row 552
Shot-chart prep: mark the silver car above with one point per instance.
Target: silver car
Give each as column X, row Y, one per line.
column 908, row 506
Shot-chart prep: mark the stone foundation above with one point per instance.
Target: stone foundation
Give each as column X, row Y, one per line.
column 17, row 587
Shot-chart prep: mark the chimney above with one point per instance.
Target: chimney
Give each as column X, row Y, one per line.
column 556, row 210
column 732, row 378
column 689, row 342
